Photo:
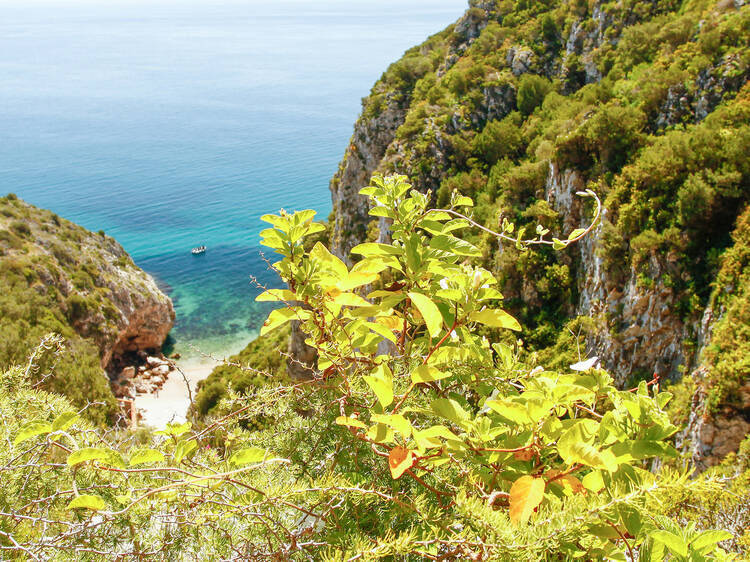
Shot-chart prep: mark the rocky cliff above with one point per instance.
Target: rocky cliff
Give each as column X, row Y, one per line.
column 58, row 277
column 520, row 105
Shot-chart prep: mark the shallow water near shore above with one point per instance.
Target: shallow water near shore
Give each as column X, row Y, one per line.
column 171, row 124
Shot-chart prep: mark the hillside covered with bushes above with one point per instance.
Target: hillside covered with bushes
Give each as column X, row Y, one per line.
column 59, row 278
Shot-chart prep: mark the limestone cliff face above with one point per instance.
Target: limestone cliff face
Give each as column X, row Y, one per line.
column 361, row 159
column 383, row 113
column 638, row 327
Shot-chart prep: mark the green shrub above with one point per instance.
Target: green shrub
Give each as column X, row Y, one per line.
column 532, row 90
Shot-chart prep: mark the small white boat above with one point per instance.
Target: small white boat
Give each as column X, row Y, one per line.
column 198, row 250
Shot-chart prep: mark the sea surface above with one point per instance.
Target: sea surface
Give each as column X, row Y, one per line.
column 174, row 123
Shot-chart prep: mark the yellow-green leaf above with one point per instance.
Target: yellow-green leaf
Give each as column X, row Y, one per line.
column 381, row 383
column 88, row 454
column 276, row 295
column 64, row 421
column 248, row 456
column 426, row 373
column 525, row 495
column 350, row 299
column 279, row 317
column 32, row 429
column 496, row 318
column 369, row 249
column 396, row 421
column 593, row 481
column 382, row 389
column 87, row 501
column 429, row 312
column 175, row 429
column 143, row 456
column 356, row 279
column 350, row 422
column 184, row 449
column 322, row 257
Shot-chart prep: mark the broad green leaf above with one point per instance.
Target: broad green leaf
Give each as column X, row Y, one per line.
column 87, row 501
column 369, row 249
column 450, row 410
column 593, row 481
column 709, row 538
column 89, row 454
column 184, row 449
column 454, row 245
column 426, row 373
column 276, row 295
column 32, row 429
column 510, row 410
column 574, row 446
column 143, row 456
column 603, row 531
column 429, row 311
column 671, row 541
column 396, row 421
column 576, row 233
column 279, row 317
column 248, row 456
column 463, row 201
column 439, row 431
column 350, row 422
column 583, row 453
column 381, row 383
column 65, row 421
column 526, row 494
column 505, row 353
column 382, row 330
column 380, row 433
column 322, row 257
column 496, row 318
column 558, row 244
column 356, row 279
column 382, row 212
column 350, row 299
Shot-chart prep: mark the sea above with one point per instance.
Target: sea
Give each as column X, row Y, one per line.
column 171, row 124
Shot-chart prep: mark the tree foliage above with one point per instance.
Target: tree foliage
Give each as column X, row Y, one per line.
column 421, row 433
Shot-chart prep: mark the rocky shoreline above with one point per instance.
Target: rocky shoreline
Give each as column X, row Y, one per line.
column 139, row 374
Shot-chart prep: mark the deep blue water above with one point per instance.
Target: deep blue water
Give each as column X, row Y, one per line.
column 174, row 123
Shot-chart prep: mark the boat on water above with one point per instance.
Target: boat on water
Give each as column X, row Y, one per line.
column 198, row 250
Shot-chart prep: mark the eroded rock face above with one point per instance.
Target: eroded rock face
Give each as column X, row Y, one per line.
column 141, row 315
column 363, row 155
column 708, row 438
column 639, row 328
column 147, row 316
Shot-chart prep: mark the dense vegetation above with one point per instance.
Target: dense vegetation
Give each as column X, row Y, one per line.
column 447, row 446
column 621, row 94
column 50, row 270
column 647, row 103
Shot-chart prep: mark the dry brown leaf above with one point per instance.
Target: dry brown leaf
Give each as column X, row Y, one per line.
column 400, row 460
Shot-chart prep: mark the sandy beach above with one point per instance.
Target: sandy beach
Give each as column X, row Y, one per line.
column 171, row 403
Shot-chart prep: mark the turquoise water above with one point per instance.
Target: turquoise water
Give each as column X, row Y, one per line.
column 174, row 123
